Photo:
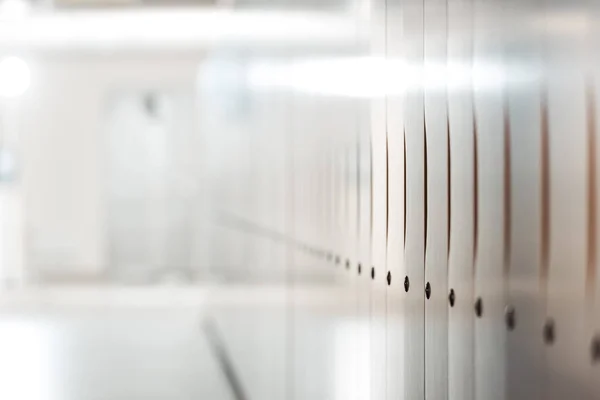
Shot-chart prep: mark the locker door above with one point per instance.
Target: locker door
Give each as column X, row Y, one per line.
column 350, row 235
column 491, row 156
column 396, row 268
column 377, row 269
column 524, row 346
column 437, row 218
column 362, row 268
column 567, row 140
column 462, row 200
column 593, row 270
column 415, row 205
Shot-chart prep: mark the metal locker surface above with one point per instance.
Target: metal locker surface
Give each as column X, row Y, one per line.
column 314, row 333
column 568, row 163
column 491, row 155
column 377, row 268
column 526, row 115
column 396, row 268
column 437, row 201
column 351, row 255
column 414, row 256
column 365, row 256
column 593, row 269
column 462, row 199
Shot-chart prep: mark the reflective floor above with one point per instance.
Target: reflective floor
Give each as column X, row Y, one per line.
column 64, row 349
column 195, row 342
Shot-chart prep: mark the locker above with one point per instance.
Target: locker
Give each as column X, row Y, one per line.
column 463, row 202
column 437, row 204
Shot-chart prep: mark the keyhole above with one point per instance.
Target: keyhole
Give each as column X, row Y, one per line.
column 509, row 315
column 596, row 350
column 549, row 332
column 479, row 307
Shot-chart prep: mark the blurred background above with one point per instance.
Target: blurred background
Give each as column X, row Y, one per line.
column 130, row 135
column 299, row 199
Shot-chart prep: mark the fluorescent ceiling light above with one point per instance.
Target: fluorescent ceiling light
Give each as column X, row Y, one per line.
column 378, row 77
column 174, row 28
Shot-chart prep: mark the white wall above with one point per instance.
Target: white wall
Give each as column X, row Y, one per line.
column 62, row 120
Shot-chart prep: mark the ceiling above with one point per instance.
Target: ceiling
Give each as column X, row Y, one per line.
column 275, row 4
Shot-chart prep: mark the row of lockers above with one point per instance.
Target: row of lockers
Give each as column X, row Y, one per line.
column 453, row 206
